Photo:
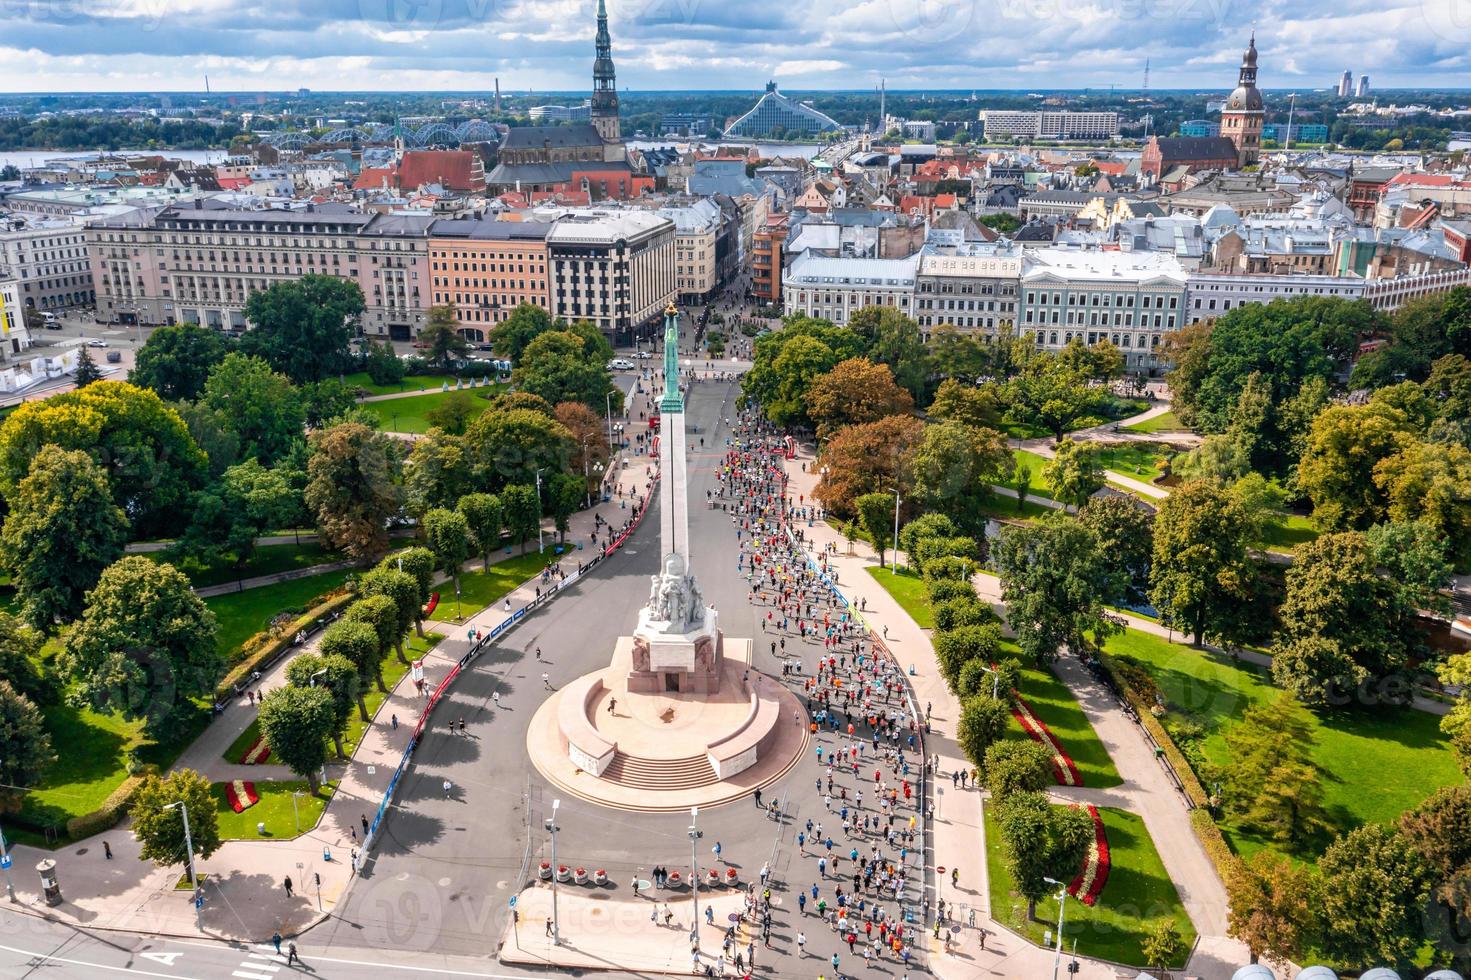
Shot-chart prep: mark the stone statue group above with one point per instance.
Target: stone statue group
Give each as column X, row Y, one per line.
column 675, row 597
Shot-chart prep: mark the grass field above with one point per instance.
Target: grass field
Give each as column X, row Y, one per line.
column 1035, row 464
column 267, row 560
column 411, row 414
column 413, row 382
column 1054, row 704
column 1140, row 460
column 1005, row 508
column 1168, row 422
column 273, row 809
column 1374, row 762
column 908, row 590
column 479, row 589
column 1288, row 532
column 1138, row 893
column 241, row 615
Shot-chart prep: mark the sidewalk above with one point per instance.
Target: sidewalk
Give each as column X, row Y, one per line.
column 958, row 823
column 245, row 897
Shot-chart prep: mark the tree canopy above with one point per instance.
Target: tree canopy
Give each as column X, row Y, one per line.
column 176, row 360
column 354, row 487
column 302, row 326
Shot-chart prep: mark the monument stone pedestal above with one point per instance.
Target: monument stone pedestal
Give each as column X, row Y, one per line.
column 684, row 663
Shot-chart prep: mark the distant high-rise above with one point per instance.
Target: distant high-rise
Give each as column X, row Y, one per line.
column 1363, row 90
column 1346, row 84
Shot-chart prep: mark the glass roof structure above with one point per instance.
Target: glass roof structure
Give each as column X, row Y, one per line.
column 775, row 115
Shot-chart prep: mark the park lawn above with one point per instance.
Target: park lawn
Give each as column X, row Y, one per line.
column 91, row 760
column 1053, row 702
column 907, row 588
column 1374, row 763
column 241, row 615
column 1034, row 463
column 242, row 742
column 267, row 560
column 273, row 809
column 1288, row 532
column 1005, row 508
column 1141, row 460
column 479, row 589
column 411, row 414
column 1168, row 422
column 412, row 382
column 1138, row 893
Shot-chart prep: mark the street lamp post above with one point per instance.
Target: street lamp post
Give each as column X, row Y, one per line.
column 894, row 570
column 296, row 814
column 695, row 835
column 539, row 546
column 551, row 826
column 1061, row 916
column 189, row 853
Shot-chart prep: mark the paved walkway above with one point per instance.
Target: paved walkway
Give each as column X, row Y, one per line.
column 1146, row 791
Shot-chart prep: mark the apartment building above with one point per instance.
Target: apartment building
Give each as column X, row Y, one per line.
column 47, row 258
column 613, row 267
column 487, row 268
column 834, row 288
column 697, row 241
column 1132, row 299
column 766, row 259
column 972, row 286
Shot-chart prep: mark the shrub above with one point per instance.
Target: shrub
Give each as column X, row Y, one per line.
column 949, row 567
column 929, row 549
column 983, row 721
column 965, row 611
column 271, row 645
column 1015, row 766
column 947, row 589
column 973, row 680
column 930, row 525
column 954, row 648
column 112, row 810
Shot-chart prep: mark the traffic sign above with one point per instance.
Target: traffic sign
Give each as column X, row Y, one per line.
column 199, row 901
column 5, row 862
column 512, row 902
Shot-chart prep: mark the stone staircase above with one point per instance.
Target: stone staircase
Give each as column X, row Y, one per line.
column 660, row 774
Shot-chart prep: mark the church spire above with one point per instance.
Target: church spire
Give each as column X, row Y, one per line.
column 604, row 82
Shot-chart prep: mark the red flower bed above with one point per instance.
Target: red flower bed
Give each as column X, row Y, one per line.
column 433, row 604
column 258, row 752
column 1090, row 881
column 1063, row 767
column 241, row 795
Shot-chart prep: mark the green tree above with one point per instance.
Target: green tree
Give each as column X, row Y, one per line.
column 419, row 563
column 1375, row 886
column 1017, row 766
column 1431, row 483
column 145, row 646
column 296, row 723
column 1052, row 394
column 513, row 334
column 63, row 529
column 556, row 366
column 953, row 468
column 565, row 494
column 247, row 502
column 302, row 326
column 853, row 392
column 523, row 512
column 440, row 339
column 447, row 534
column 1163, row 946
column 87, row 371
column 175, row 361
column 1415, row 558
column 1342, row 625
column 339, row 677
column 213, row 437
column 21, row 663
column 1270, row 783
column 1273, row 906
column 802, row 360
column 1345, row 446
column 331, row 400
column 151, row 462
column 259, row 405
column 957, row 647
column 159, row 826
column 1055, row 581
column 1041, row 841
column 354, row 487
column 1199, row 570
column 506, row 447
column 452, row 414
column 889, row 337
column 25, row 743
column 1074, row 473
column 1125, row 533
column 930, row 525
column 402, row 589
column 983, row 723
column 1421, row 331
column 1219, row 459
column 383, row 365
column 438, row 472
column 875, row 512
column 866, row 458
column 485, row 518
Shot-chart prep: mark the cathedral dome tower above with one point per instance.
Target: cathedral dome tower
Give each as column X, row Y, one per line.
column 1242, row 117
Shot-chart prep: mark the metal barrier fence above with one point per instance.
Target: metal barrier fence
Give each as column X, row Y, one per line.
column 495, row 633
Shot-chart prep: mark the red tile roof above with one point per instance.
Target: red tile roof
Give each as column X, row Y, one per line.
column 455, row 169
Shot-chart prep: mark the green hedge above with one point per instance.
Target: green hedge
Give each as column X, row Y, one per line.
column 1214, row 842
column 106, row 816
column 272, row 646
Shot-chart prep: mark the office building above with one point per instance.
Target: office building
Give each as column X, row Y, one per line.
column 1346, row 84
column 834, row 288
column 561, row 113
column 1005, row 124
column 971, row 286
column 46, row 257
column 487, row 268
column 613, row 267
column 698, row 227
column 1199, row 128
column 1362, row 91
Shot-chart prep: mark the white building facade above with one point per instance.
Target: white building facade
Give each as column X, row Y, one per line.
column 834, row 288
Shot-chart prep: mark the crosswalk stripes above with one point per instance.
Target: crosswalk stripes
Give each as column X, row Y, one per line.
column 260, row 965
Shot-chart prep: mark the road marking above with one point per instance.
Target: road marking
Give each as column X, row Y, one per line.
column 167, row 959
column 48, row 958
column 317, row 958
column 251, row 976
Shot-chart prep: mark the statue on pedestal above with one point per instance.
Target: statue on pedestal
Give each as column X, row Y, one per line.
column 675, row 597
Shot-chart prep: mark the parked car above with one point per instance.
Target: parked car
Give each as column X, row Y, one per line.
column 114, row 357
column 620, row 364
column 96, row 343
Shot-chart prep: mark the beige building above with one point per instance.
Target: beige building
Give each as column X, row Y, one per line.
column 696, row 233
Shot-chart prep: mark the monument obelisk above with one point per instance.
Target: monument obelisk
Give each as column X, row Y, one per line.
column 677, row 645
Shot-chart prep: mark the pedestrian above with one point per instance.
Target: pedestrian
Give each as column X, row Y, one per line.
column 982, row 934
column 612, row 703
column 538, row 654
column 758, row 797
column 287, row 885
column 460, row 728
column 546, row 680
column 801, row 944
column 395, row 722
column 496, row 697
column 291, row 956
column 955, row 877
column 549, row 927
column 635, row 884
column 107, row 850
column 364, row 818
column 447, row 787
column 508, row 605
column 276, row 941
column 709, row 916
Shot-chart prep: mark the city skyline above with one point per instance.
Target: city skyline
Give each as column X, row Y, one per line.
column 465, row 45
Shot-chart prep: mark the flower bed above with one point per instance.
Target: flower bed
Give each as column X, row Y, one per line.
column 1063, row 767
column 241, row 795
column 1090, row 881
column 433, row 604
column 258, row 752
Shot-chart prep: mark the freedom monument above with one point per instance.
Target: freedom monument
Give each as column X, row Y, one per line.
column 680, row 716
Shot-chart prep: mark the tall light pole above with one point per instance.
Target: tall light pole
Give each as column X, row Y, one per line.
column 551, row 825
column 189, row 853
column 894, row 569
column 1061, row 915
column 296, row 814
column 695, row 835
column 608, row 403
column 539, row 546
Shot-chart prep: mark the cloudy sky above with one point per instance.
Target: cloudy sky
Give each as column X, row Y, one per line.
column 131, row 45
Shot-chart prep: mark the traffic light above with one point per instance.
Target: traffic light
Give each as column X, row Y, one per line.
column 1073, row 967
